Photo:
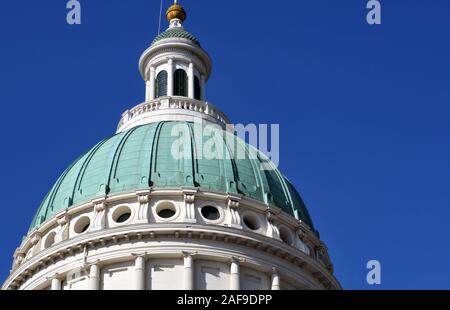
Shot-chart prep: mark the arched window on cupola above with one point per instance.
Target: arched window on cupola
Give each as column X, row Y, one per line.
column 197, row 90
column 161, row 84
column 180, row 81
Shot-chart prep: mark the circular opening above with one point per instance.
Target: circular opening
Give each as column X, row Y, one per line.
column 123, row 218
column 50, row 240
column 210, row 213
column 82, row 225
column 166, row 210
column 251, row 222
column 285, row 235
column 121, row 215
column 166, row 213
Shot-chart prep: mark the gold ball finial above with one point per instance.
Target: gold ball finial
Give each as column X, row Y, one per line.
column 176, row 11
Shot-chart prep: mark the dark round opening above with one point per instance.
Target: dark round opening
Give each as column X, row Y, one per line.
column 123, row 218
column 166, row 213
column 251, row 222
column 210, row 213
column 82, row 225
column 85, row 228
column 285, row 236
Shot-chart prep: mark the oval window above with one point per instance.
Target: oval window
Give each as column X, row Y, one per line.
column 210, row 213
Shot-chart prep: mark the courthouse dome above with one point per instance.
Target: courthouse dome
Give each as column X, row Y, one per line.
column 141, row 157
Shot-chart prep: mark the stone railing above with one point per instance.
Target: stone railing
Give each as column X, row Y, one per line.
column 207, row 110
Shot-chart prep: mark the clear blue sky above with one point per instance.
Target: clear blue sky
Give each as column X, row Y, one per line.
column 364, row 112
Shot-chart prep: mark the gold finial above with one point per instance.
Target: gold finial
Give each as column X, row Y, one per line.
column 176, row 11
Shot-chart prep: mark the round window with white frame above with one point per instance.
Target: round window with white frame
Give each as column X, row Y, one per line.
column 286, row 235
column 211, row 214
column 122, row 215
column 82, row 225
column 166, row 211
column 50, row 240
column 251, row 221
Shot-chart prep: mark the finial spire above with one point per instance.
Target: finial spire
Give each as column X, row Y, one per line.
column 176, row 15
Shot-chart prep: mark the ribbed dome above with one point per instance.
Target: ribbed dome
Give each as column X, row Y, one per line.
column 176, row 32
column 141, row 157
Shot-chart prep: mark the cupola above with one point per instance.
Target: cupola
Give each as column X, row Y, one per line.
column 175, row 65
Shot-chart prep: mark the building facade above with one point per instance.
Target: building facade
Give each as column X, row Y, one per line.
column 128, row 214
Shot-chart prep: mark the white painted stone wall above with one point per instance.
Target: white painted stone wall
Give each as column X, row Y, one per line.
column 185, row 251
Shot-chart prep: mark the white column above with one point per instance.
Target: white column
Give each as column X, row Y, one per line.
column 139, row 273
column 189, row 272
column 170, row 78
column 235, row 280
column 94, row 278
column 147, row 90
column 191, row 90
column 56, row 284
column 151, row 84
column 275, row 281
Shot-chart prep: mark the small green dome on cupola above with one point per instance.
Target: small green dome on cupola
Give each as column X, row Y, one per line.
column 176, row 15
column 176, row 32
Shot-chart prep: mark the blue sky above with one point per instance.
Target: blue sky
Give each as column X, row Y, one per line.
column 364, row 112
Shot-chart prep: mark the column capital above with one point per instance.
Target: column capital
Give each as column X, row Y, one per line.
column 96, row 262
column 189, row 195
column 55, row 276
column 63, row 218
column 188, row 254
column 137, row 255
column 271, row 217
column 99, row 204
column 233, row 201
column 143, row 196
column 35, row 237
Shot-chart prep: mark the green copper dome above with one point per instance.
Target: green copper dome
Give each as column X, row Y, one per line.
column 176, row 32
column 142, row 157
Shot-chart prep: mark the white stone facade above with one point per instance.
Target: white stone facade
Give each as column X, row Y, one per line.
column 249, row 246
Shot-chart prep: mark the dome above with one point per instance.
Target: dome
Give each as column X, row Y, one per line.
column 176, row 32
column 141, row 157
